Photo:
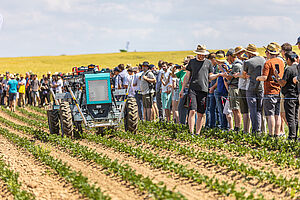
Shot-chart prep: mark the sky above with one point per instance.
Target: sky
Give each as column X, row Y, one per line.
column 68, row 27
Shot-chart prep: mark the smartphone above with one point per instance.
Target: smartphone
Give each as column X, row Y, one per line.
column 277, row 68
column 274, row 78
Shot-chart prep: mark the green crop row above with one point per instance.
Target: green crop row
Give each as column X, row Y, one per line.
column 166, row 164
column 221, row 160
column 75, row 178
column 30, row 114
column 35, row 123
column 244, row 144
column 10, row 178
column 37, row 109
column 126, row 172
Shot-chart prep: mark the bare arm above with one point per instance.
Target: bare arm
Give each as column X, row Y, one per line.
column 261, row 78
column 281, row 82
column 186, row 80
column 213, row 76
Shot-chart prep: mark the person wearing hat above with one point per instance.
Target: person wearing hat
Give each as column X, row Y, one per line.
column 22, row 83
column 198, row 74
column 148, row 81
column 252, row 69
column 12, row 90
column 290, row 91
column 221, row 92
column 273, row 66
column 116, row 78
column 242, row 86
column 236, row 67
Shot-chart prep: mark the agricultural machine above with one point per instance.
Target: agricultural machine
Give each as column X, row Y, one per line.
column 89, row 99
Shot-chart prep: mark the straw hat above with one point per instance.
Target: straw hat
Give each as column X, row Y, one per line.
column 272, row 49
column 251, row 48
column 201, row 49
column 276, row 44
column 220, row 58
column 238, row 49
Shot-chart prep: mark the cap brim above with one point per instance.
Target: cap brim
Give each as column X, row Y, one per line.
column 221, row 60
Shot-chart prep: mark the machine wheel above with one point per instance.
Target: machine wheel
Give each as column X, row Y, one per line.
column 53, row 121
column 66, row 119
column 131, row 115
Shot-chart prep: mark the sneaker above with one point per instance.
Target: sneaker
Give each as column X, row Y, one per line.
column 281, row 135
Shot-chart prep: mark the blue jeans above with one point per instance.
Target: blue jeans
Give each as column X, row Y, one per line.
column 182, row 110
column 255, row 103
column 220, row 107
column 212, row 110
column 139, row 101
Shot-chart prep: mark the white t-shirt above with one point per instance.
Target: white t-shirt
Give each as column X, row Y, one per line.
column 137, row 81
column 59, row 86
column 168, row 87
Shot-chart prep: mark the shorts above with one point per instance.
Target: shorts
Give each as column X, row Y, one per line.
column 234, row 98
column 198, row 101
column 272, row 104
column 243, row 102
column 147, row 100
column 175, row 95
column 12, row 96
column 166, row 100
column 227, row 109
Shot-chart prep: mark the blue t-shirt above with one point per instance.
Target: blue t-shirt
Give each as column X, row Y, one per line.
column 13, row 86
column 221, row 86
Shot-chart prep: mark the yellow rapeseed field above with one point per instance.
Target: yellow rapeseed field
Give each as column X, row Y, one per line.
column 43, row 64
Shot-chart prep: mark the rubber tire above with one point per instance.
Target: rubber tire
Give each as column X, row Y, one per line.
column 131, row 115
column 53, row 121
column 66, row 120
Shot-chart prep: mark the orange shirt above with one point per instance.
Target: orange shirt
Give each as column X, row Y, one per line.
column 270, row 86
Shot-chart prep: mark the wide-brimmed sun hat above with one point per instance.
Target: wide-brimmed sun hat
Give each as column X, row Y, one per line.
column 201, row 49
column 251, row 48
column 272, row 49
column 220, row 58
column 239, row 49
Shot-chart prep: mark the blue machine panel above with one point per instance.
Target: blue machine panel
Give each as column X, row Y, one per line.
column 98, row 89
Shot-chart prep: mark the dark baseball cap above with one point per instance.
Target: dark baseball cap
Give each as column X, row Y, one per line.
column 116, row 69
column 145, row 63
column 230, row 52
column 298, row 41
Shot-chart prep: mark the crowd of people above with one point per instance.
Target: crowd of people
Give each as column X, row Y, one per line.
column 17, row 89
column 237, row 90
column 220, row 90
